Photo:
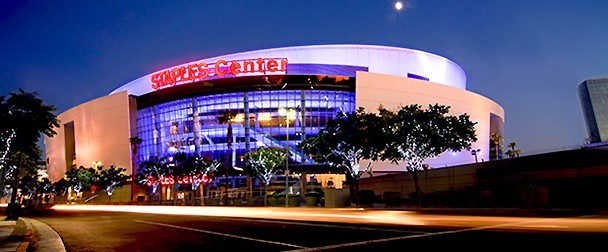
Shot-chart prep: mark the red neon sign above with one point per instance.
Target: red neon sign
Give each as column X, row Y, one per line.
column 180, row 180
column 200, row 70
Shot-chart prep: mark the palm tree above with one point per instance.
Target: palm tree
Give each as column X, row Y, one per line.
column 135, row 142
column 513, row 152
column 496, row 138
column 225, row 117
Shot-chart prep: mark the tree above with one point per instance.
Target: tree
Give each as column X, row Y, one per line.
column 417, row 134
column 6, row 136
column 44, row 187
column 178, row 168
column 110, row 179
column 150, row 173
column 135, row 142
column 513, row 152
column 346, row 140
column 60, row 187
column 24, row 117
column 29, row 183
column 198, row 168
column 22, row 171
column 265, row 162
column 225, row 117
column 81, row 179
column 31, row 186
column 496, row 139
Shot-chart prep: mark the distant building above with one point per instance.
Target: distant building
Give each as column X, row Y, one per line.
column 594, row 102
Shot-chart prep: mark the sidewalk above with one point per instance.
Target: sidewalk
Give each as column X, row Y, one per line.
column 28, row 234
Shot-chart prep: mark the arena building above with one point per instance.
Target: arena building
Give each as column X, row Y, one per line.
column 176, row 109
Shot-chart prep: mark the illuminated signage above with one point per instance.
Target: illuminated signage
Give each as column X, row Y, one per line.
column 181, row 180
column 199, row 71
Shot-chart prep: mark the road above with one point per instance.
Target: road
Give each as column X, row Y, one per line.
column 143, row 228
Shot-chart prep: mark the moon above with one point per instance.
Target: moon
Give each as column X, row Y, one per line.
column 398, row 5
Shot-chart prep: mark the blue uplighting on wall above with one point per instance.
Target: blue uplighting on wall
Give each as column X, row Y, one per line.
column 324, row 69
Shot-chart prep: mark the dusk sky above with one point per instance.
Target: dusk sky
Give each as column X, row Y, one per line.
column 528, row 56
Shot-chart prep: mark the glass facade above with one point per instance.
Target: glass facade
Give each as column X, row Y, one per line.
column 190, row 125
column 594, row 102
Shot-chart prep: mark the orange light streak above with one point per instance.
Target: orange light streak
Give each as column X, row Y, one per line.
column 365, row 216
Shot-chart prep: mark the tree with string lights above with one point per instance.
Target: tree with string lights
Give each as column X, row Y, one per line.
column 416, row 134
column 264, row 163
column 24, row 118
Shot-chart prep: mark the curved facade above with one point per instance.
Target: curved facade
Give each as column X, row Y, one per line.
column 332, row 60
column 176, row 109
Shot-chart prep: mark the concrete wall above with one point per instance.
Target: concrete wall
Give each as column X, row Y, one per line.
column 120, row 195
column 101, row 133
column 451, row 178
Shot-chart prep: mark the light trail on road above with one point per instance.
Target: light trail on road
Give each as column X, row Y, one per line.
column 365, row 216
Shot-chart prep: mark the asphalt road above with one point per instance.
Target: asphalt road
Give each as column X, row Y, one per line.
column 124, row 231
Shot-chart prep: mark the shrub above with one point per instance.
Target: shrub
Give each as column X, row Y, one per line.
column 278, row 194
column 313, row 194
column 366, row 197
column 392, row 198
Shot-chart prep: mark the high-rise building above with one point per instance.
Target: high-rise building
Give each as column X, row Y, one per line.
column 594, row 102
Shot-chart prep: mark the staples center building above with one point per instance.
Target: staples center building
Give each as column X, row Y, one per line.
column 176, row 109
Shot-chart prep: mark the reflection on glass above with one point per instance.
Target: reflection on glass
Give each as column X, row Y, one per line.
column 169, row 127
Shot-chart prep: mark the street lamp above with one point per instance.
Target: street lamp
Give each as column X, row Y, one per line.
column 96, row 164
column 287, row 113
column 475, row 153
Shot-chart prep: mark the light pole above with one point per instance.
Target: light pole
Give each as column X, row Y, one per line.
column 287, row 113
column 97, row 164
column 475, row 153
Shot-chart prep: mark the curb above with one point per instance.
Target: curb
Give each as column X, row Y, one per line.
column 42, row 237
column 23, row 247
column 27, row 237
